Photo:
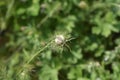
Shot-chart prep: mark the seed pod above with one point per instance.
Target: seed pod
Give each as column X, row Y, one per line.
column 59, row 39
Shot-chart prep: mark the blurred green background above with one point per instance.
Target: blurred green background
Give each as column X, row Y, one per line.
column 26, row 26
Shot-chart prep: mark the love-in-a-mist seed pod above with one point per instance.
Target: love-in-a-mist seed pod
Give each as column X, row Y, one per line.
column 59, row 39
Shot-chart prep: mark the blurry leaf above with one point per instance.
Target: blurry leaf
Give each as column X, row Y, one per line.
column 48, row 55
column 96, row 30
column 115, row 67
column 2, row 2
column 110, row 17
column 21, row 11
column 71, row 74
column 48, row 74
column 117, row 41
column 99, row 51
column 75, row 73
column 93, row 46
column 106, row 31
column 77, row 54
column 34, row 9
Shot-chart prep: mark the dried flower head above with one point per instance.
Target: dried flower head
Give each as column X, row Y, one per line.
column 59, row 39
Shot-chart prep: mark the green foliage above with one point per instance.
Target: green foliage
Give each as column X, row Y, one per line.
column 89, row 48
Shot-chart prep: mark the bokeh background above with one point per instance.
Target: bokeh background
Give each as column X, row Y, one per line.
column 26, row 26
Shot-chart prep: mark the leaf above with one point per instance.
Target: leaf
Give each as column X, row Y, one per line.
column 34, row 9
column 20, row 11
column 96, row 30
column 77, row 54
column 107, row 29
column 48, row 73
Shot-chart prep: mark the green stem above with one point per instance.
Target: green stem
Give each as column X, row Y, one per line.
column 35, row 55
column 9, row 9
column 38, row 52
column 55, row 8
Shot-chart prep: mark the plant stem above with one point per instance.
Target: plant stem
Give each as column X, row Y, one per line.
column 35, row 55
column 55, row 8
column 38, row 52
column 9, row 9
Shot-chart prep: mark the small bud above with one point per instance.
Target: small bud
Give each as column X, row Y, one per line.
column 23, row 28
column 97, row 64
column 43, row 7
column 82, row 4
column 98, row 78
column 106, row 58
column 59, row 39
column 23, row 74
